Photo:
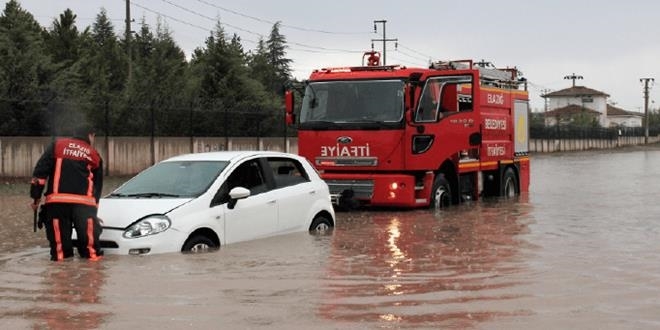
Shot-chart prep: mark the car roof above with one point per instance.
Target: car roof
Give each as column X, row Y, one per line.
column 228, row 155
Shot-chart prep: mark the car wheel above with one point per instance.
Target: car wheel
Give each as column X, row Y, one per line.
column 198, row 244
column 320, row 224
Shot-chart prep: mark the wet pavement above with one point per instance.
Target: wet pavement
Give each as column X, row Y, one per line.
column 580, row 251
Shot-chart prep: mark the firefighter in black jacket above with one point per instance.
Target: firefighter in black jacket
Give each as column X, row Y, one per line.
column 73, row 171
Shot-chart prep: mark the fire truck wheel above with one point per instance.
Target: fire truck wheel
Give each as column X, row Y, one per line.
column 509, row 184
column 320, row 224
column 441, row 193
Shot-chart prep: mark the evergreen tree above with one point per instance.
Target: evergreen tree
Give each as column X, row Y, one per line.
column 65, row 44
column 103, row 70
column 63, row 39
column 155, row 90
column 231, row 100
column 276, row 45
column 222, row 69
column 259, row 64
column 24, row 71
column 60, row 76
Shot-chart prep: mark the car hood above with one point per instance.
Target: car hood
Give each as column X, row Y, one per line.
column 121, row 212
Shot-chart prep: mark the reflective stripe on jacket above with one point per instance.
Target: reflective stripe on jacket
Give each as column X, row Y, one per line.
column 73, row 171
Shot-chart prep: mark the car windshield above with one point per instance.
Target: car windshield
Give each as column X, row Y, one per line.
column 172, row 179
column 365, row 101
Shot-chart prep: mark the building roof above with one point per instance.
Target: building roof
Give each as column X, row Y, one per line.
column 614, row 111
column 571, row 109
column 576, row 91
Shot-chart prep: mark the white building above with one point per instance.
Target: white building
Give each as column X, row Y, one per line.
column 564, row 106
column 622, row 118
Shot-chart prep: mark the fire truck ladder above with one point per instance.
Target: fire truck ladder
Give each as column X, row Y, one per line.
column 489, row 75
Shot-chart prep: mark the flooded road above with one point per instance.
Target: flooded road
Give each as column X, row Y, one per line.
column 580, row 251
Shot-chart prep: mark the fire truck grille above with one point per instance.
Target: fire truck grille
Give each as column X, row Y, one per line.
column 362, row 189
column 346, row 161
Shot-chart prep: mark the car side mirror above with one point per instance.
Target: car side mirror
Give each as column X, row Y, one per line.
column 236, row 194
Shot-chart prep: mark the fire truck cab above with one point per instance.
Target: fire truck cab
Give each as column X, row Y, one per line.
column 415, row 137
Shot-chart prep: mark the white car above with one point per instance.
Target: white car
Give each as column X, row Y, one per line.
column 198, row 202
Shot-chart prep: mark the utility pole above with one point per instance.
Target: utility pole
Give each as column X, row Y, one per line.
column 129, row 51
column 384, row 40
column 573, row 77
column 544, row 92
column 646, row 107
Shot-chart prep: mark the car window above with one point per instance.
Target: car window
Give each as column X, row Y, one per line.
column 175, row 178
column 443, row 96
column 287, row 172
column 247, row 175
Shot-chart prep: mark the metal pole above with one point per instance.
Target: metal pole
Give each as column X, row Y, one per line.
column 190, row 127
column 384, row 45
column 646, row 107
column 153, row 134
column 129, row 51
column 384, row 39
column 106, row 139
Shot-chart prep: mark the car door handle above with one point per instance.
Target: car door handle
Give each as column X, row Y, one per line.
column 313, row 192
column 272, row 202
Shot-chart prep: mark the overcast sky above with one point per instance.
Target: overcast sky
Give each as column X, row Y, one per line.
column 611, row 45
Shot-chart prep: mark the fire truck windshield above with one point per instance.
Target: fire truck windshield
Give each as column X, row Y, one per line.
column 335, row 103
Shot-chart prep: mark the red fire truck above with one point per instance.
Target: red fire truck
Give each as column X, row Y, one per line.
column 389, row 135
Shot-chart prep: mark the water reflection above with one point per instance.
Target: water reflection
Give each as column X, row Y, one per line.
column 69, row 289
column 40, row 294
column 419, row 268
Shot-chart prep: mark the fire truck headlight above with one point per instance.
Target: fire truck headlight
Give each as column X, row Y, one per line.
column 394, row 186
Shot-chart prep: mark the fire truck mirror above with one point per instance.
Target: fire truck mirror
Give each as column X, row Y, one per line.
column 290, row 118
column 415, row 77
column 475, row 139
column 289, row 101
column 288, row 107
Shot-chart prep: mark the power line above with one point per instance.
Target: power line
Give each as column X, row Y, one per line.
column 246, row 30
column 307, row 48
column 170, row 17
column 412, row 56
column 427, row 57
column 403, row 61
column 273, row 23
column 304, row 47
column 212, row 19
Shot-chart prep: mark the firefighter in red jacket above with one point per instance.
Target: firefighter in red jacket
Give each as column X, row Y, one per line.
column 73, row 172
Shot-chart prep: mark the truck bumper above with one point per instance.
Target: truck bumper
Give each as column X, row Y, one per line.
column 392, row 190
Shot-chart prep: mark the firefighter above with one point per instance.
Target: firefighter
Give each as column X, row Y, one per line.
column 71, row 170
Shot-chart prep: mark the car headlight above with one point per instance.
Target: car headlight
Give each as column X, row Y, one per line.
column 150, row 225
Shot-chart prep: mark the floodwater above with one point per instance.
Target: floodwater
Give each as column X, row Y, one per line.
column 580, row 251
